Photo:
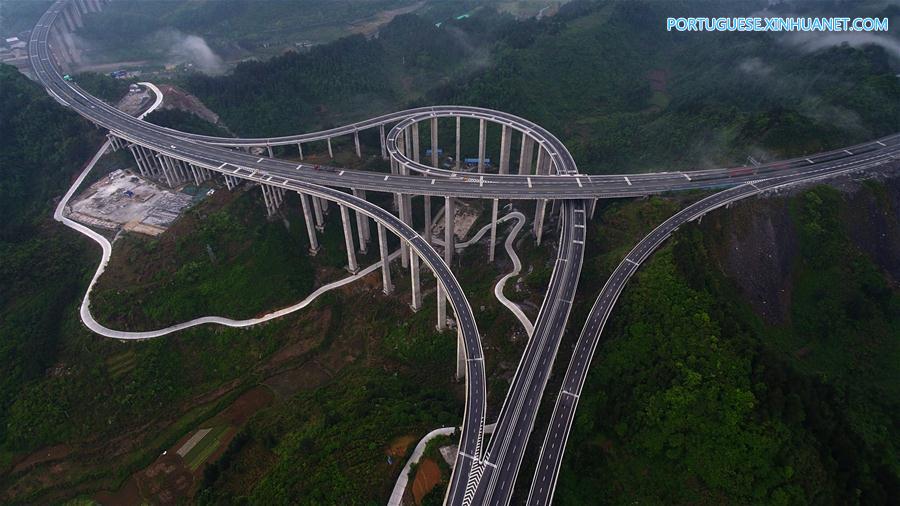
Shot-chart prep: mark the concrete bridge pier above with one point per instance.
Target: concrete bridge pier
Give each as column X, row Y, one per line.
column 356, row 142
column 137, row 160
column 593, row 207
column 492, row 246
column 300, row 150
column 415, row 142
column 76, row 14
column 320, row 217
column 427, row 207
column 449, row 236
column 460, row 355
column 505, row 144
column 269, row 149
column 269, row 198
column 386, row 284
column 539, row 220
column 458, row 151
column 230, row 182
column 416, row 303
column 384, row 153
column 482, row 136
column 310, row 224
column 165, row 170
column 434, row 142
column 330, row 152
column 348, row 239
column 361, row 224
column 405, row 218
column 526, row 154
column 441, row 307
column 150, row 160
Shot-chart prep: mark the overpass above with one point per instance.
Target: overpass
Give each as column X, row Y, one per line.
column 544, row 172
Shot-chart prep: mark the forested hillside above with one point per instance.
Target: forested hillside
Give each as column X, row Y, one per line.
column 624, row 94
column 42, row 147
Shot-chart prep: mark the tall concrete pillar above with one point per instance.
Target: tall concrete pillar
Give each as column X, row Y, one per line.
column 526, row 154
column 356, row 142
column 330, row 152
column 505, row 143
column 539, row 220
column 317, row 209
column 460, row 354
column 76, row 14
column 361, row 220
column 449, row 237
column 441, row 307
column 593, row 207
column 482, row 135
column 415, row 142
column 67, row 16
column 348, row 240
column 492, row 246
column 366, row 231
column 458, row 152
column 137, row 160
column 384, row 153
column 267, row 197
column 310, row 224
column 416, row 303
column 405, row 218
column 434, row 142
column 387, row 286
column 427, row 231
column 165, row 170
column 300, row 150
column 269, row 149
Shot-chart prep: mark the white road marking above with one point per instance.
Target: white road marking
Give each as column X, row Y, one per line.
column 879, row 142
column 579, row 183
column 686, row 176
column 529, row 182
column 848, row 152
column 627, row 180
column 341, row 173
column 386, row 177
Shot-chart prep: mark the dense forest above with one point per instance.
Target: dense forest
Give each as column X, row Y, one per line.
column 651, row 98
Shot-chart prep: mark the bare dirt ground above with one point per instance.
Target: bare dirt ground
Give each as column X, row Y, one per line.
column 370, row 25
column 176, row 98
column 428, row 474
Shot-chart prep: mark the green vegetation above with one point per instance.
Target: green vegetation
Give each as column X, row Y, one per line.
column 205, row 447
column 185, row 122
column 693, row 399
column 103, row 86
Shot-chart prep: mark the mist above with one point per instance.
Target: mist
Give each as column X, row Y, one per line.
column 183, row 48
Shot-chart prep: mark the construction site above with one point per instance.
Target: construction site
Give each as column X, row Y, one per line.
column 126, row 201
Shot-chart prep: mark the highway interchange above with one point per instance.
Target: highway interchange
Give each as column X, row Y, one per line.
column 484, row 474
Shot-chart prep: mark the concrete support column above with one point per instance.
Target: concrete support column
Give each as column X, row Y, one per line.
column 356, row 142
column 416, row 303
column 366, row 231
column 267, row 197
column 67, row 17
column 593, row 208
column 300, row 150
column 427, row 231
column 415, row 142
column 384, row 153
column 460, row 354
column 505, row 142
column 361, row 220
column 330, row 152
column 539, row 220
column 495, row 204
column 310, row 224
column 137, row 160
column 405, row 218
column 482, row 135
column 317, row 209
column 76, row 14
column 458, row 151
column 269, row 149
column 449, row 237
column 434, row 142
column 165, row 170
column 526, row 154
column 441, row 307
column 387, row 286
column 348, row 240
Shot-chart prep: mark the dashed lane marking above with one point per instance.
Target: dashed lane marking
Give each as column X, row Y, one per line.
column 579, row 183
column 686, row 176
column 529, row 182
column 631, row 261
column 879, row 142
column 627, row 180
column 848, row 152
column 386, row 177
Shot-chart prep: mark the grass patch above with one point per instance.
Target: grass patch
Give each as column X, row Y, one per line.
column 205, row 447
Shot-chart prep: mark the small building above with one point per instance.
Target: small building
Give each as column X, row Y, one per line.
column 440, row 152
column 473, row 162
column 134, row 89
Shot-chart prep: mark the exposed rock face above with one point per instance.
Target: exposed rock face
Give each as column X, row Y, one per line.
column 757, row 243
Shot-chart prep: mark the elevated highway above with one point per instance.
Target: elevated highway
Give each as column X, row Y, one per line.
column 544, row 172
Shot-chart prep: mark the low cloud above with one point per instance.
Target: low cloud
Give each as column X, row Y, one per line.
column 755, row 67
column 811, row 42
column 191, row 49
